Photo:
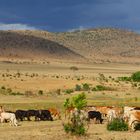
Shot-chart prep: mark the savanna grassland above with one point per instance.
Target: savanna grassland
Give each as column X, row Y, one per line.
column 40, row 86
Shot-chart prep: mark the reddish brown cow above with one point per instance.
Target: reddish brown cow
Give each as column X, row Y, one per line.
column 55, row 113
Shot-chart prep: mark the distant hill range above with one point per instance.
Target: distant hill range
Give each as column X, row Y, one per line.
column 92, row 45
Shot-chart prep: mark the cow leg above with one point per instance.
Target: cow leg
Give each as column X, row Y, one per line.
column 15, row 122
column 2, row 120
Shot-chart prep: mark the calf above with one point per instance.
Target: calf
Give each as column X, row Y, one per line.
column 95, row 115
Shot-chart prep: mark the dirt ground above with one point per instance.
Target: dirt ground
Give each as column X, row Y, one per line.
column 54, row 131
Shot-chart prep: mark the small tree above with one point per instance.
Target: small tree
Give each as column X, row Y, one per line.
column 78, row 120
column 136, row 76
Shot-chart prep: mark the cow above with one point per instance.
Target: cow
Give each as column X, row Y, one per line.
column 134, row 119
column 95, row 115
column 127, row 112
column 103, row 110
column 8, row 116
column 55, row 113
column 111, row 115
column 45, row 115
column 33, row 113
column 21, row 114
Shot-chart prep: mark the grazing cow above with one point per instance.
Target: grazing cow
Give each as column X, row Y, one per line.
column 21, row 114
column 111, row 115
column 134, row 119
column 8, row 116
column 55, row 113
column 33, row 113
column 103, row 109
column 46, row 115
column 95, row 115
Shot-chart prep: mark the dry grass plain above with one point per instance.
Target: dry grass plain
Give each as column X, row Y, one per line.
column 53, row 76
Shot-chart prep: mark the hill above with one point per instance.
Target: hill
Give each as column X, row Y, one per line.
column 96, row 45
column 21, row 46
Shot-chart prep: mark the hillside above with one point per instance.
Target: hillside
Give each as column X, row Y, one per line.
column 96, row 45
column 21, row 46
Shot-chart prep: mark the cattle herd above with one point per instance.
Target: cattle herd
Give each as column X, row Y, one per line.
column 130, row 115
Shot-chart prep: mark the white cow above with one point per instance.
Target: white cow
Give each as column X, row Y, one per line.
column 111, row 114
column 127, row 112
column 8, row 116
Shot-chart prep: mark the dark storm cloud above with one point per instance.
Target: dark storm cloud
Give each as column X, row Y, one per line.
column 62, row 15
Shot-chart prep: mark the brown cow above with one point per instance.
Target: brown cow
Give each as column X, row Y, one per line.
column 55, row 113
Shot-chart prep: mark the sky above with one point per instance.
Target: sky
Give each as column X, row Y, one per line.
column 69, row 15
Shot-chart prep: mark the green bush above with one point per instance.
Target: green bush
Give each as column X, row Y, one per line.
column 101, row 88
column 86, row 87
column 136, row 76
column 78, row 88
column 79, row 101
column 69, row 91
column 124, row 78
column 76, row 124
column 117, row 125
column 76, row 130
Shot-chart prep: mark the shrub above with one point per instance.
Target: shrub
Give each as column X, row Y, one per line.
column 136, row 76
column 68, row 91
column 79, row 130
column 16, row 93
column 9, row 90
column 76, row 124
column 101, row 88
column 74, row 68
column 117, row 125
column 3, row 87
column 124, row 78
column 40, row 92
column 79, row 101
column 101, row 76
column 78, row 87
column 29, row 93
column 86, row 87
column 58, row 91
